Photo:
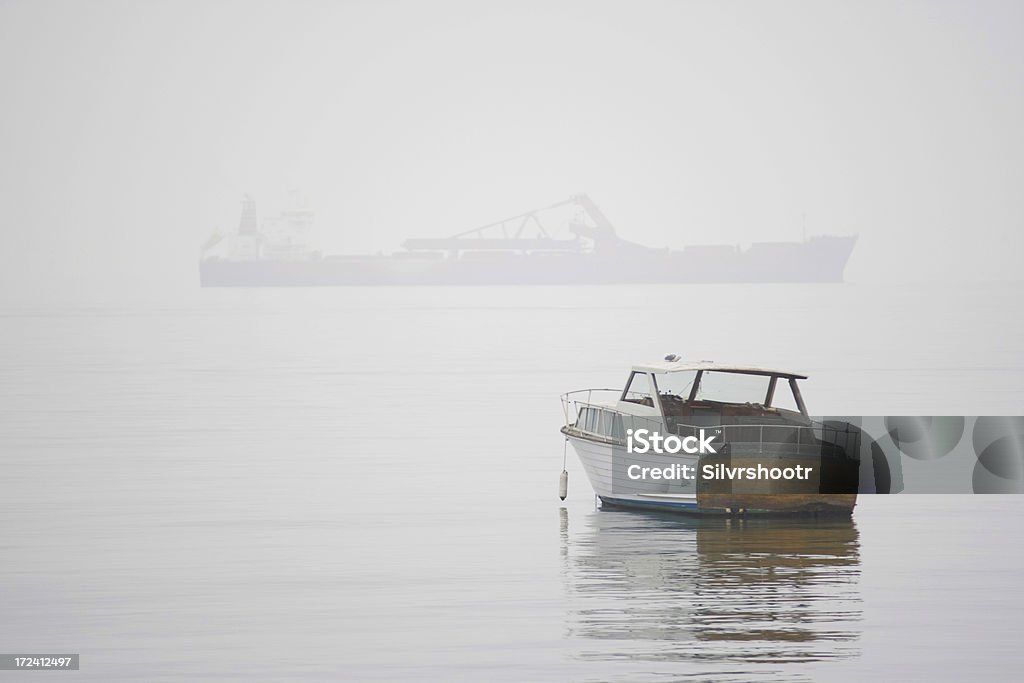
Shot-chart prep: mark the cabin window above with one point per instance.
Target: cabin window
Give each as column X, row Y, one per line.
column 617, row 431
column 638, row 389
column 783, row 398
column 731, row 387
column 603, row 422
column 675, row 384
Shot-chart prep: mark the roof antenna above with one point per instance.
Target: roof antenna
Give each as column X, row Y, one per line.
column 672, row 357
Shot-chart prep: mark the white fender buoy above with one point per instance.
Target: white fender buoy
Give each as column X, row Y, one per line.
column 563, row 485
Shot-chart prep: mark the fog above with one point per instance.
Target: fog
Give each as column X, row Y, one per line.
column 130, row 131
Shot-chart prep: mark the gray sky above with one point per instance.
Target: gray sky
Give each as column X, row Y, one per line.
column 130, row 130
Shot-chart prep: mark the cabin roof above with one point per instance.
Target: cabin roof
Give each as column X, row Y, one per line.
column 691, row 366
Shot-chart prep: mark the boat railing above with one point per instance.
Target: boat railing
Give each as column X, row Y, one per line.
column 843, row 435
column 572, row 399
column 592, row 412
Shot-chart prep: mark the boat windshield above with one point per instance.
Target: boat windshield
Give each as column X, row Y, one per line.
column 675, row 384
column 731, row 387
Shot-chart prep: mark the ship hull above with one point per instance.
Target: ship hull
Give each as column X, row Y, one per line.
column 819, row 259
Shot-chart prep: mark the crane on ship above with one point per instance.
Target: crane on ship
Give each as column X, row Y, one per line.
column 591, row 229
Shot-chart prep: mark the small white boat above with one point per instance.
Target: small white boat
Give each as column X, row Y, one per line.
column 711, row 438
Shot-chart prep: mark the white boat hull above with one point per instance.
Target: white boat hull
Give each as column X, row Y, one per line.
column 607, row 469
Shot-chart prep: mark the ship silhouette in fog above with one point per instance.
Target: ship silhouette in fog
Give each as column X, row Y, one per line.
column 515, row 251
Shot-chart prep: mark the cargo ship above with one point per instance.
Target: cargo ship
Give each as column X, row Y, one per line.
column 519, row 250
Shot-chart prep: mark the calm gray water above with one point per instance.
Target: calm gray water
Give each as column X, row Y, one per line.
column 360, row 484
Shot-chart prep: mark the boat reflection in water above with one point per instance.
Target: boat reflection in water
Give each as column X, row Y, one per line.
column 712, row 590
